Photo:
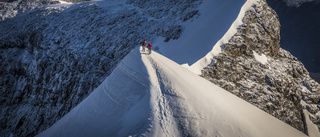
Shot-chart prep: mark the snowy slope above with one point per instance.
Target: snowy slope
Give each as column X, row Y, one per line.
column 150, row 95
column 200, row 35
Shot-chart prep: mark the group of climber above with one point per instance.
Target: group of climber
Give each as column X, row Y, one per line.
column 144, row 43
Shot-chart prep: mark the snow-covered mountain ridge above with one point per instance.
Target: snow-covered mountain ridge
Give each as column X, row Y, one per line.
column 54, row 56
column 81, row 44
column 150, row 95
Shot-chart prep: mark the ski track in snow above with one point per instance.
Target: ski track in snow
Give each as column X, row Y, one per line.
column 161, row 112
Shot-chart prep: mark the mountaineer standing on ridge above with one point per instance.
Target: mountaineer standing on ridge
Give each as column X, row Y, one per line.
column 149, row 47
column 143, row 44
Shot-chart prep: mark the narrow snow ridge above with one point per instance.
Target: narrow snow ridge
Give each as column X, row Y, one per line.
column 207, row 60
column 150, row 95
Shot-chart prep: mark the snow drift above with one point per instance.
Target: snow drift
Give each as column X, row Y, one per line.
column 150, row 95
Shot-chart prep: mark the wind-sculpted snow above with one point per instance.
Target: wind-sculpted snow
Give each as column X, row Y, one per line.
column 53, row 57
column 150, row 95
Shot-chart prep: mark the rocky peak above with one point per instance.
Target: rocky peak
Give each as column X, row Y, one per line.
column 276, row 86
column 259, row 33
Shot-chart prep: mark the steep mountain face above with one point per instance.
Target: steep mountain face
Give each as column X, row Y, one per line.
column 11, row 9
column 53, row 57
column 15, row 7
column 254, row 67
column 300, row 31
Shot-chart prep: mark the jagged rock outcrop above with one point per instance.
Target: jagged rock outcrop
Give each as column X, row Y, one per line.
column 52, row 58
column 277, row 86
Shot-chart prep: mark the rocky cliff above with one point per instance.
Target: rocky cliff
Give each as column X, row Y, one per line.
column 52, row 57
column 254, row 67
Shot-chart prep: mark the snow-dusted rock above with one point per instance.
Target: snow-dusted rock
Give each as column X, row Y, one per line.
column 276, row 86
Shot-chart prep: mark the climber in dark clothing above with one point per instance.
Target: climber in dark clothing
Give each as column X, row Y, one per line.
column 143, row 44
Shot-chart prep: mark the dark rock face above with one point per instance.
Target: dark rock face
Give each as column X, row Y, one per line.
column 52, row 58
column 278, row 86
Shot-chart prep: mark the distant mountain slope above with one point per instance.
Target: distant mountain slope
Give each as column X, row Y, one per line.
column 55, row 55
column 150, row 95
column 15, row 7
